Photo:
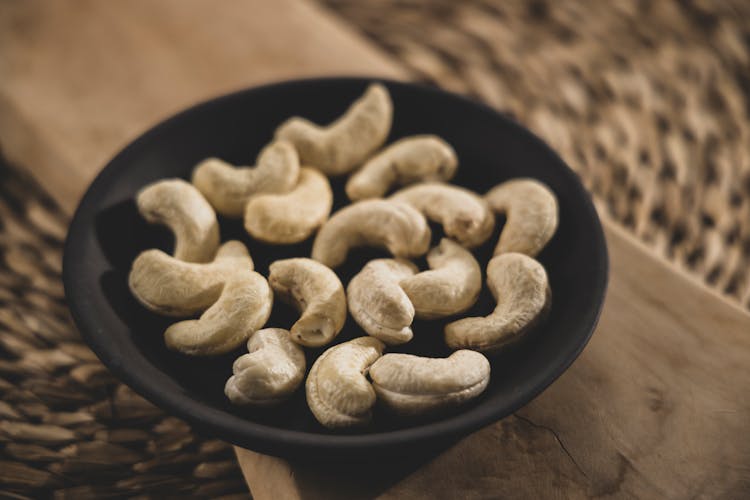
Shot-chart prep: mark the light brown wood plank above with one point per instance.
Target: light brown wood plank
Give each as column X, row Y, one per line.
column 80, row 79
column 655, row 407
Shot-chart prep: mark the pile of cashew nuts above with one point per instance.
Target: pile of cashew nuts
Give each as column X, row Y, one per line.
column 286, row 198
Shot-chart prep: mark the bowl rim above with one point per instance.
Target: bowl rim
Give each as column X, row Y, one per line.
column 285, row 442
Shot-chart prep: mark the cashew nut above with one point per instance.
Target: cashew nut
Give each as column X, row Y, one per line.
column 171, row 287
column 179, row 206
column 237, row 301
column 464, row 215
column 377, row 302
column 242, row 308
column 409, row 160
column 394, row 225
column 317, row 292
column 519, row 284
column 290, row 217
column 451, row 286
column 531, row 211
column 270, row 372
column 228, row 188
column 344, row 144
column 338, row 392
column 414, row 385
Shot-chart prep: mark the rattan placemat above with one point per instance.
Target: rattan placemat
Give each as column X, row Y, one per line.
column 65, row 424
column 648, row 101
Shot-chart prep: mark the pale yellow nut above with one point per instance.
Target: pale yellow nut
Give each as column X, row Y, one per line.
column 464, row 215
column 531, row 211
column 520, row 287
column 414, row 385
column 316, row 292
column 377, row 302
column 451, row 286
column 270, row 372
column 294, row 216
column 228, row 188
column 338, row 392
column 169, row 286
column 242, row 308
column 412, row 159
column 179, row 206
column 344, row 144
column 380, row 223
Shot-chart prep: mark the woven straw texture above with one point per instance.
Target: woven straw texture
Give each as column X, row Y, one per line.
column 647, row 101
column 66, row 426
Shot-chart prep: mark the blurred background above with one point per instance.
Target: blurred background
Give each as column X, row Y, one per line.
column 647, row 101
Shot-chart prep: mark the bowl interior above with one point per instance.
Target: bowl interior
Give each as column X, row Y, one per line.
column 107, row 234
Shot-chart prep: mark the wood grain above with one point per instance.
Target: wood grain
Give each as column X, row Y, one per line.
column 80, row 79
column 656, row 406
column 653, row 408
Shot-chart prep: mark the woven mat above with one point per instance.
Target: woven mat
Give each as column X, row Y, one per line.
column 66, row 426
column 647, row 101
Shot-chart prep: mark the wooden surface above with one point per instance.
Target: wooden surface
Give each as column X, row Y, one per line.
column 80, row 79
column 656, row 406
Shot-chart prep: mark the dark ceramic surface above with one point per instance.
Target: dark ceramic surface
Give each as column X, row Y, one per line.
column 107, row 234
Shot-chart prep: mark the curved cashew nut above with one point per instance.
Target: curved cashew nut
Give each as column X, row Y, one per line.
column 415, row 385
column 228, row 188
column 519, row 284
column 409, row 160
column 531, row 210
column 394, row 225
column 169, row 286
column 338, row 392
column 290, row 217
column 242, row 308
column 377, row 302
column 339, row 147
column 317, row 292
column 183, row 209
column 464, row 215
column 451, row 286
column 270, row 372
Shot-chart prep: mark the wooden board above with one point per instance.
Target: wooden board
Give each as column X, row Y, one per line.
column 80, row 79
column 657, row 405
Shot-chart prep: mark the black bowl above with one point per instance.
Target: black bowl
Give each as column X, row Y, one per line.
column 107, row 233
